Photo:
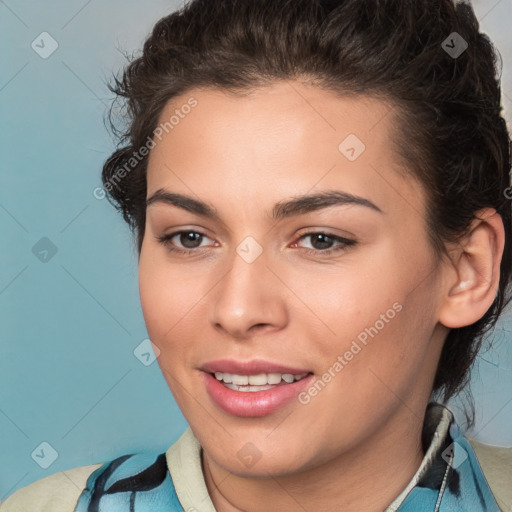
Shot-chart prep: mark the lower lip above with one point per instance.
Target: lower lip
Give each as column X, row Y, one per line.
column 253, row 403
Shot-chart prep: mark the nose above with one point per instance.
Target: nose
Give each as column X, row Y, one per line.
column 248, row 299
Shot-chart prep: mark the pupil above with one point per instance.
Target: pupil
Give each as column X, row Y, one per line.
column 190, row 237
column 326, row 241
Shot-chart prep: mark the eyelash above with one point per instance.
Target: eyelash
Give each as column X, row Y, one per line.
column 345, row 242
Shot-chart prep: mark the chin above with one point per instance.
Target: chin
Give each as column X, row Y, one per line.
column 262, row 468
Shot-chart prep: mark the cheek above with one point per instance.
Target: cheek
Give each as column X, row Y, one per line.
column 166, row 295
column 385, row 352
column 374, row 312
column 164, row 306
column 345, row 297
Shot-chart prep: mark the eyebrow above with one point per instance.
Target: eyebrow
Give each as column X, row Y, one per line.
column 297, row 206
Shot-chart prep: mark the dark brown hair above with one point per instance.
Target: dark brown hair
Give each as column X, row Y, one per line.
column 450, row 133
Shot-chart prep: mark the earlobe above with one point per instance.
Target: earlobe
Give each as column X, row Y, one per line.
column 476, row 270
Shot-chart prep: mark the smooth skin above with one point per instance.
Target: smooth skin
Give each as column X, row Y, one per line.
column 356, row 444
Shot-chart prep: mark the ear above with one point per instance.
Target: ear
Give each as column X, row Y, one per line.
column 473, row 279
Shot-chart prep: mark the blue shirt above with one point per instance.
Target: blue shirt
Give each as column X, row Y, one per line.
column 449, row 478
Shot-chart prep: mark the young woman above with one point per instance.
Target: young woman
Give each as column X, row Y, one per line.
column 318, row 190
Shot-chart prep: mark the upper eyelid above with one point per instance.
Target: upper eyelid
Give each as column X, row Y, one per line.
column 172, row 234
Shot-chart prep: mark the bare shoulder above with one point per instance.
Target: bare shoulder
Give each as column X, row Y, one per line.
column 55, row 493
column 496, row 463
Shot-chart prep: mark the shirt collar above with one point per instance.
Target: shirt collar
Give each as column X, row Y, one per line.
column 449, row 478
column 436, row 435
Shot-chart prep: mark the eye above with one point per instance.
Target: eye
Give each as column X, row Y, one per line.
column 322, row 242
column 191, row 242
column 189, row 239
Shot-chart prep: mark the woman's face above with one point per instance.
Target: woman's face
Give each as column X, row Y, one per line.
column 344, row 288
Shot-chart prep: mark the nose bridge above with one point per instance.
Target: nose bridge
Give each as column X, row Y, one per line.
column 248, row 294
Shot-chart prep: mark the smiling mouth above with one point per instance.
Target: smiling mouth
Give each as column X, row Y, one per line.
column 259, row 382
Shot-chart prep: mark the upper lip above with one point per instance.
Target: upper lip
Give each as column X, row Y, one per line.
column 253, row 367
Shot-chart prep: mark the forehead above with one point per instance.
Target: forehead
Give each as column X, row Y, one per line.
column 285, row 138
column 284, row 113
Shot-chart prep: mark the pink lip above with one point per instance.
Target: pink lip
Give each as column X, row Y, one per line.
column 252, row 404
column 253, row 367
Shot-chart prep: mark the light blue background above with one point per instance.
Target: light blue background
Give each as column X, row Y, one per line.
column 69, row 327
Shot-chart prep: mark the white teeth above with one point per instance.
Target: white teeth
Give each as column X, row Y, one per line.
column 240, row 380
column 274, row 378
column 261, row 379
column 258, row 380
column 248, row 388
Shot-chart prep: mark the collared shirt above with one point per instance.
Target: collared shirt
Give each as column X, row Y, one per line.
column 449, row 479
